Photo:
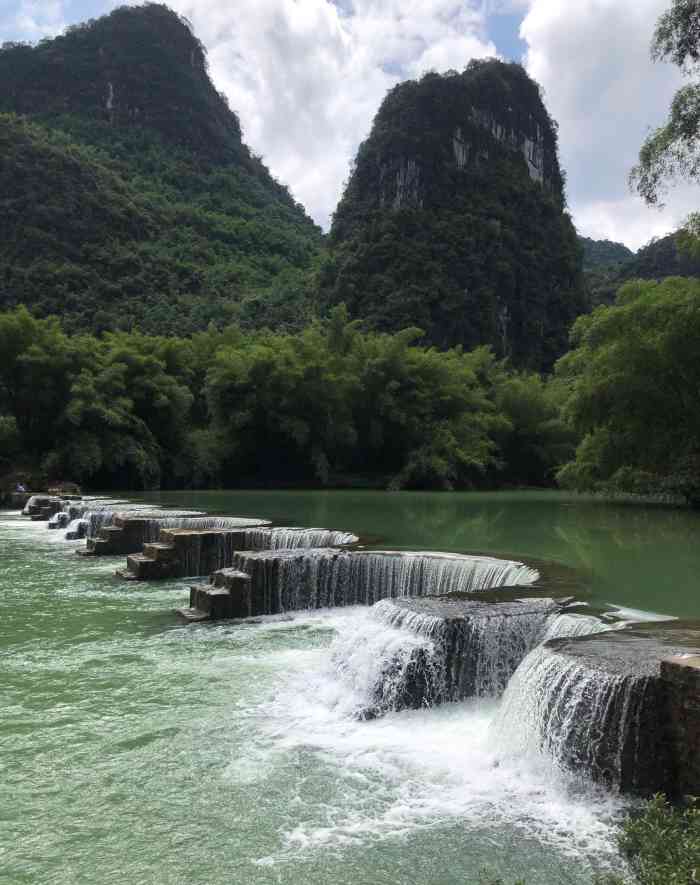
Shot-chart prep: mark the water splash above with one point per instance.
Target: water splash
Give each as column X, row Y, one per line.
column 597, row 713
column 59, row 520
column 76, row 530
column 420, row 653
column 568, row 624
column 414, row 771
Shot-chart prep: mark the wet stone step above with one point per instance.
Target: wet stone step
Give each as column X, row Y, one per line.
column 109, row 531
column 143, row 567
column 228, row 595
column 192, row 615
column 159, row 551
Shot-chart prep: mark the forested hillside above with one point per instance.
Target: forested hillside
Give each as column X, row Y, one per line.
column 127, row 196
column 658, row 259
column 603, row 253
column 453, row 218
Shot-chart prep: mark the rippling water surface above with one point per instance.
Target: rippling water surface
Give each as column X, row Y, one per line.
column 135, row 750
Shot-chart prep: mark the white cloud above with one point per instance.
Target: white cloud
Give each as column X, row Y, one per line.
column 31, row 19
column 592, row 59
column 307, row 78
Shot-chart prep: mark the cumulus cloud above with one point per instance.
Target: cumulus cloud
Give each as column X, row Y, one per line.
column 307, row 78
column 592, row 60
column 31, row 19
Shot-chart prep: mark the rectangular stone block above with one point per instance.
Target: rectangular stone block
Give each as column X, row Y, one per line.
column 239, row 586
column 681, row 676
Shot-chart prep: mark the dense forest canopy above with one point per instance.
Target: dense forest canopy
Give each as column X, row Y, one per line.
column 224, row 407
column 666, row 256
column 632, row 378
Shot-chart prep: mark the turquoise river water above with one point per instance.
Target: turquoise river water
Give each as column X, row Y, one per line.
column 138, row 750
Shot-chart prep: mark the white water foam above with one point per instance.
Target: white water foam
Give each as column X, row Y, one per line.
column 416, row 769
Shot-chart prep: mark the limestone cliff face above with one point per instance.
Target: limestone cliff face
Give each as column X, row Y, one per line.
column 453, row 218
column 139, row 66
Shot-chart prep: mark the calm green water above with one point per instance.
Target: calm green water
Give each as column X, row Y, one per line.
column 135, row 750
column 640, row 557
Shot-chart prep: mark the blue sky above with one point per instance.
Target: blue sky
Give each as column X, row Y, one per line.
column 307, row 76
column 504, row 29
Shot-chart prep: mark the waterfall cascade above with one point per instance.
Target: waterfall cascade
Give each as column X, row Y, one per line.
column 621, row 705
column 200, row 552
column 59, row 520
column 77, row 529
column 40, row 507
column 289, row 580
column 151, row 519
column 595, row 704
column 437, row 650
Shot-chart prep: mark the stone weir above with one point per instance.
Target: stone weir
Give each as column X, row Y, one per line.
column 622, row 706
column 209, row 544
column 40, row 508
column 123, row 532
column 436, row 650
column 290, row 580
column 86, row 518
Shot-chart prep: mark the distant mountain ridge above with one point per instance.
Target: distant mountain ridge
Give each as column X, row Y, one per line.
column 128, row 199
column 609, row 265
column 603, row 253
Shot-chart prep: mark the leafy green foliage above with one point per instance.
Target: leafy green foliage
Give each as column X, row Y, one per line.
column 604, row 266
column 10, row 440
column 662, row 844
column 134, row 215
column 442, row 226
column 673, row 150
column 228, row 407
column 632, row 379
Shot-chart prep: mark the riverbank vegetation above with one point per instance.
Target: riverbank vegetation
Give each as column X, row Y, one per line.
column 227, row 407
column 631, row 384
column 662, row 844
column 332, row 402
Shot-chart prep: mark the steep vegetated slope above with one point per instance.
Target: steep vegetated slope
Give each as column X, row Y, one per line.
column 127, row 195
column 454, row 219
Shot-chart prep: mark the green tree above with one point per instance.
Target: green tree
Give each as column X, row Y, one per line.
column 632, row 381
column 673, row 150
